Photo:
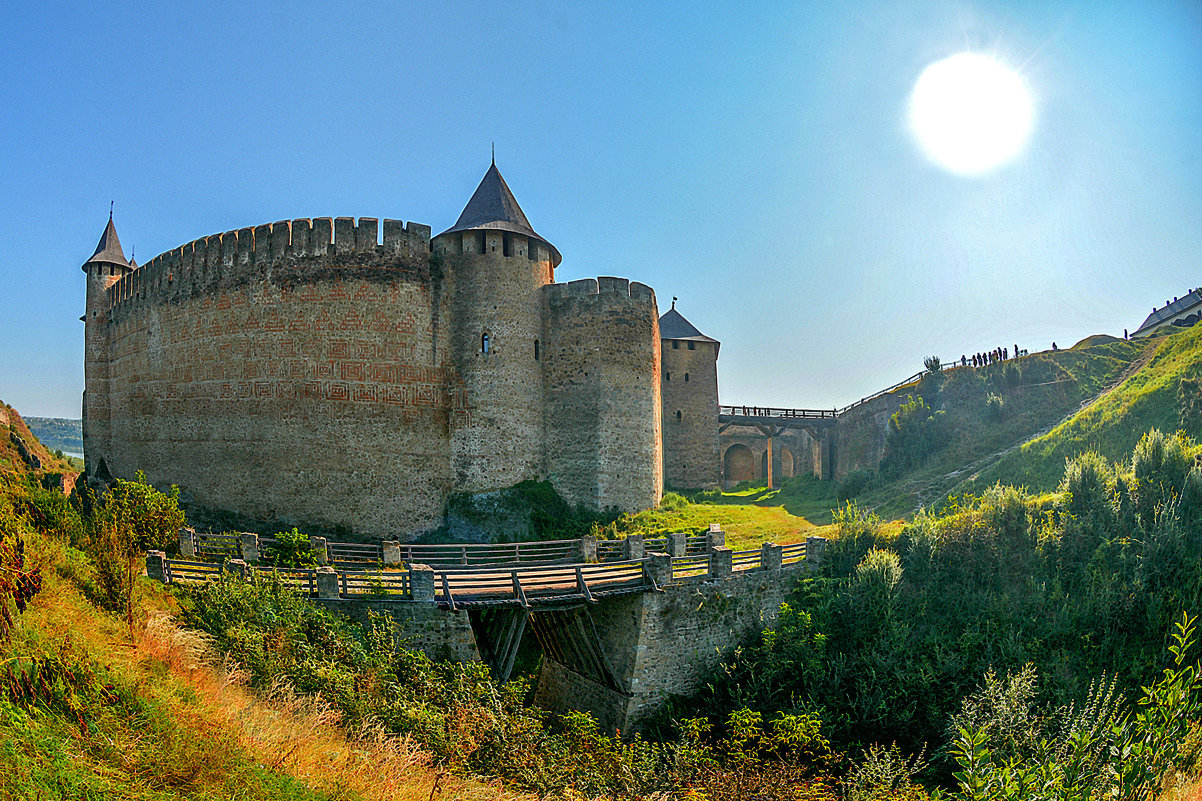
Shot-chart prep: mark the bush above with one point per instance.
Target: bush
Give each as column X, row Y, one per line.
column 1106, row 751
column 292, row 549
column 995, row 407
column 135, row 518
column 672, row 500
column 915, row 432
column 19, row 582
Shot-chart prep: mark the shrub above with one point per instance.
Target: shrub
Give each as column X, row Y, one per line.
column 915, row 432
column 995, row 407
column 672, row 500
column 135, row 518
column 292, row 549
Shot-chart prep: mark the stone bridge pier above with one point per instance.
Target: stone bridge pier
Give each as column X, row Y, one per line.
column 659, row 644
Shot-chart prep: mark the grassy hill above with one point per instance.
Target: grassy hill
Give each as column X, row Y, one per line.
column 1165, row 392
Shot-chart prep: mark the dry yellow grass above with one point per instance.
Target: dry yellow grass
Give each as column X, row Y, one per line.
column 300, row 735
column 297, row 736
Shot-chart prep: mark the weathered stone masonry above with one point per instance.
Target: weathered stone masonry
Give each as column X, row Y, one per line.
column 307, row 372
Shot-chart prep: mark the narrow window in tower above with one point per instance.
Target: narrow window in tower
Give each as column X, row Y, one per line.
column 675, row 345
column 536, row 350
column 692, row 346
column 484, row 343
column 667, row 376
column 686, row 378
column 506, row 244
column 678, row 415
column 483, row 242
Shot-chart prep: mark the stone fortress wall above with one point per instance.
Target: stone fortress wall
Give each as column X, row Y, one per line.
column 306, row 371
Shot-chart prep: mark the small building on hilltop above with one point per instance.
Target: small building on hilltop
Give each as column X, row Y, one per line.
column 1180, row 312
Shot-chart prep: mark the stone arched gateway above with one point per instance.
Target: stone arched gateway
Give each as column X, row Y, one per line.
column 738, row 464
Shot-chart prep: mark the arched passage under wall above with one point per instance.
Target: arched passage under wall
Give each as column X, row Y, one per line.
column 738, row 464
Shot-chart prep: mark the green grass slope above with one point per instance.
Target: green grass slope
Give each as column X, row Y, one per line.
column 1164, row 393
column 985, row 411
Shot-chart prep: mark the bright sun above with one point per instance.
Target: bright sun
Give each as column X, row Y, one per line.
column 970, row 113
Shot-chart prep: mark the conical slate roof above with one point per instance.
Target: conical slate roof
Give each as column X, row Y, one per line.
column 109, row 250
column 493, row 207
column 673, row 325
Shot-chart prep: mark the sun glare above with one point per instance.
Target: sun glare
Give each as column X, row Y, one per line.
column 970, row 113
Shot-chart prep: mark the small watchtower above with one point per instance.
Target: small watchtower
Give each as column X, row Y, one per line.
column 689, row 388
column 105, row 267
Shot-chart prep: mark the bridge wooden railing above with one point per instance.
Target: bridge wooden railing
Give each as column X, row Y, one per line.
column 776, row 411
column 827, row 414
column 358, row 555
column 522, row 585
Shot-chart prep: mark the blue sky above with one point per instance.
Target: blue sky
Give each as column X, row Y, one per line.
column 752, row 159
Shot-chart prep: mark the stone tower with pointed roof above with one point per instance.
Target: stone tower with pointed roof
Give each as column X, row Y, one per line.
column 689, row 387
column 105, row 267
column 312, row 372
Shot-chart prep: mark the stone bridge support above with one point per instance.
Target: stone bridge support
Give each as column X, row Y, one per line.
column 659, row 644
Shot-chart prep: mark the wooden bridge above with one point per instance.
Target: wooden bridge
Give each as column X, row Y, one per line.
column 622, row 625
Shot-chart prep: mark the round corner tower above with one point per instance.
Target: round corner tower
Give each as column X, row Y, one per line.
column 104, row 268
column 495, row 264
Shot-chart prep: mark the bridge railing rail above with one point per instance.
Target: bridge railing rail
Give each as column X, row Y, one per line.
column 745, row 560
column 492, row 584
column 777, row 411
column 466, row 555
column 691, row 567
column 792, row 553
column 216, row 546
column 523, row 584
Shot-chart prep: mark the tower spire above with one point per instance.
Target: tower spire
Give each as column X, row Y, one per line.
column 494, row 154
column 110, row 211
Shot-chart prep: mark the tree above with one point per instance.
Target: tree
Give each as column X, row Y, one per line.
column 135, row 518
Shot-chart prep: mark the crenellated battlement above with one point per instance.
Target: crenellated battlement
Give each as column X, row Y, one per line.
column 204, row 260
column 603, row 285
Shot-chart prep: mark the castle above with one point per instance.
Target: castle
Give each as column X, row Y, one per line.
column 312, row 371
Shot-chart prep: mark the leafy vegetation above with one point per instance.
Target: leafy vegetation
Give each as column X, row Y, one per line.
column 1080, row 588
column 133, row 519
